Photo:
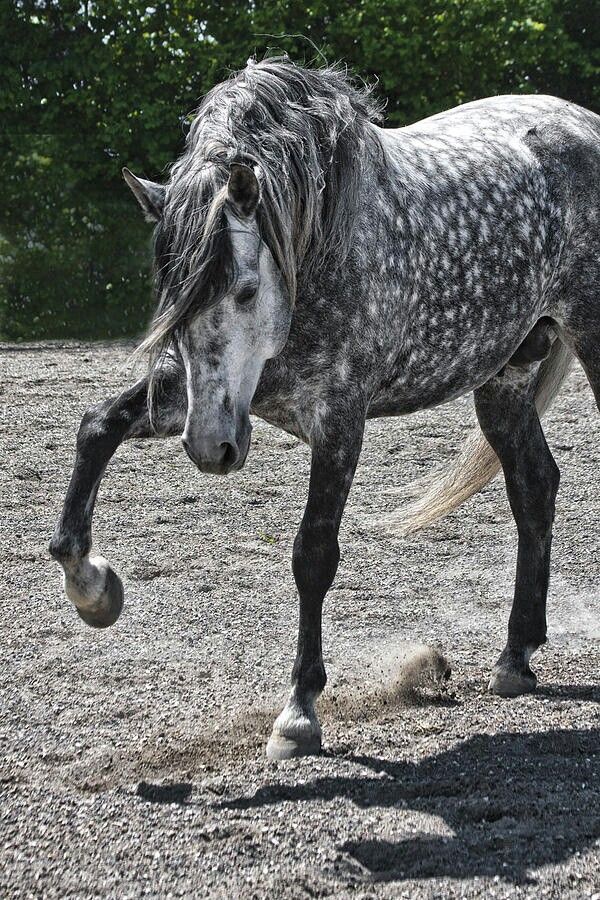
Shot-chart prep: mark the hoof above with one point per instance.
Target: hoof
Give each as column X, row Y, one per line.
column 97, row 592
column 109, row 605
column 280, row 747
column 505, row 683
column 296, row 731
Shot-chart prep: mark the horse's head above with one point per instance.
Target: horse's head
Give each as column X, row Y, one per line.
column 226, row 310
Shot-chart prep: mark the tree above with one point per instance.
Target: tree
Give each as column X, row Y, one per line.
column 91, row 86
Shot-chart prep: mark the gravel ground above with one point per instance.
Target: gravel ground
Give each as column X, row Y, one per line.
column 133, row 758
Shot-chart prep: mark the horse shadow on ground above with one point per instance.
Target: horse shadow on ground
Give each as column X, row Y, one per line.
column 514, row 802
column 177, row 792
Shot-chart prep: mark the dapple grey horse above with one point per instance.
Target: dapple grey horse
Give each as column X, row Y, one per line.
column 316, row 269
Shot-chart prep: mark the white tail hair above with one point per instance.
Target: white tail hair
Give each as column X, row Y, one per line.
column 477, row 463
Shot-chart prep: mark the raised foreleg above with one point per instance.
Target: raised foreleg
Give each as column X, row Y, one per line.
column 508, row 417
column 90, row 583
column 315, row 559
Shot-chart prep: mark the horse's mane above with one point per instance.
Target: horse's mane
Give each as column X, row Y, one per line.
column 305, row 133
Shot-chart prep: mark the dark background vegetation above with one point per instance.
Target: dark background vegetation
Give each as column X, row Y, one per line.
column 86, row 88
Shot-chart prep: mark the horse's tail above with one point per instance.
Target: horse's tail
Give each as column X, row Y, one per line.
column 477, row 463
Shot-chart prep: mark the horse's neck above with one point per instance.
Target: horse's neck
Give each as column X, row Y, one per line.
column 338, row 287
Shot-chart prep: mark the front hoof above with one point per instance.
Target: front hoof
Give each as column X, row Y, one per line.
column 109, row 605
column 296, row 731
column 281, row 747
column 507, row 683
column 97, row 592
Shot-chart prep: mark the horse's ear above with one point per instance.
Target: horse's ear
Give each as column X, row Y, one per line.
column 243, row 191
column 149, row 195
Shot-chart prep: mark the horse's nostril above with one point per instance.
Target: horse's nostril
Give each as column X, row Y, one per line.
column 210, row 456
column 230, row 453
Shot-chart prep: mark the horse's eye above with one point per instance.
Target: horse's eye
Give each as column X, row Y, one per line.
column 246, row 295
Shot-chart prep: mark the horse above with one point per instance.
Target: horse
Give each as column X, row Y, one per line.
column 317, row 269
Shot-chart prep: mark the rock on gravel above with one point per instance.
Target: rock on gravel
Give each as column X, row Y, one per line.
column 132, row 760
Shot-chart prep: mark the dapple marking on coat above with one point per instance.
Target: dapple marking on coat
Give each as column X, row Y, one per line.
column 316, row 269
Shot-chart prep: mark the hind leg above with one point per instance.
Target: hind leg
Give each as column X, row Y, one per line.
column 508, row 417
column 587, row 348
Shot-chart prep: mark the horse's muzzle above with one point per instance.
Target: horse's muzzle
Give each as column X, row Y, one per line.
column 215, row 456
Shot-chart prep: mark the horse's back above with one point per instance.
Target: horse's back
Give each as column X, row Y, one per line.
column 539, row 144
column 507, row 114
column 559, row 136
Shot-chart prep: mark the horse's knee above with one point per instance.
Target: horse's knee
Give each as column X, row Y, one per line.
column 94, row 421
column 104, row 425
column 534, row 501
column 315, row 560
column 545, row 481
column 99, row 425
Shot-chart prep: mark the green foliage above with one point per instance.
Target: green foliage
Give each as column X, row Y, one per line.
column 88, row 87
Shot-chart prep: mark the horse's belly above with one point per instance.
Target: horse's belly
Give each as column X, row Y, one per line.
column 429, row 376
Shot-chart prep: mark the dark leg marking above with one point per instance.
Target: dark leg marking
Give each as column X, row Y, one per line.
column 316, row 555
column 90, row 583
column 508, row 417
